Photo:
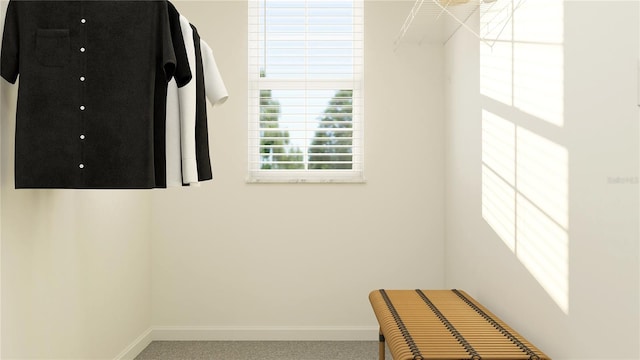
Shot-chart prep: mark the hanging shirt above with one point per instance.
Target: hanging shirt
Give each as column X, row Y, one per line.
column 187, row 138
column 186, row 97
column 87, row 91
column 203, row 160
column 215, row 90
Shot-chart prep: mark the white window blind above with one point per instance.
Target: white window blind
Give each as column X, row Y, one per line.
column 305, row 90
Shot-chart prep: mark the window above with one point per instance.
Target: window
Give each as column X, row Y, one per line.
column 305, row 90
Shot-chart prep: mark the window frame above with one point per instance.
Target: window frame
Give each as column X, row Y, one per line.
column 257, row 83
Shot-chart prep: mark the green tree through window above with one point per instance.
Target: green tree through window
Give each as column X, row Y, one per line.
column 275, row 151
column 332, row 144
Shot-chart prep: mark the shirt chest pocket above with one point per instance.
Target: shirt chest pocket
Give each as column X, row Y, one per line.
column 53, row 47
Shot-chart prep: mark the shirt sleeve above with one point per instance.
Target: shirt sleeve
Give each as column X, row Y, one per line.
column 167, row 53
column 10, row 53
column 183, row 73
column 214, row 85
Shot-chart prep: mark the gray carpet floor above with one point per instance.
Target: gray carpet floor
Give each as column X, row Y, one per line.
column 264, row 350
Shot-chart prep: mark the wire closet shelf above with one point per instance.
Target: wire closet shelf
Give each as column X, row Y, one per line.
column 432, row 11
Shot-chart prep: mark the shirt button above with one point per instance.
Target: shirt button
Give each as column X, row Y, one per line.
column 81, row 166
column 82, row 49
column 82, row 107
column 83, row 20
column 82, row 137
column 82, row 78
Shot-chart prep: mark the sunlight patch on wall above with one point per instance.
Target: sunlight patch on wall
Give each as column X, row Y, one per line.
column 525, row 195
column 498, row 177
column 543, row 248
column 499, row 207
column 525, row 66
column 496, row 77
column 538, row 21
column 538, row 81
column 496, row 61
column 525, row 175
column 498, row 144
column 543, row 175
column 538, row 59
column 542, row 208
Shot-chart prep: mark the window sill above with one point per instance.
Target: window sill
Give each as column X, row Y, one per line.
column 287, row 177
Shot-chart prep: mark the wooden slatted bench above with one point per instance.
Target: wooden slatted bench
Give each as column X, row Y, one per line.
column 444, row 324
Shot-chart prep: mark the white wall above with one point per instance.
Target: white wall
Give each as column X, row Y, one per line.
column 75, row 267
column 253, row 260
column 542, row 177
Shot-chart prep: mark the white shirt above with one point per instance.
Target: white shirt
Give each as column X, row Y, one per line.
column 172, row 137
column 214, row 86
column 187, row 101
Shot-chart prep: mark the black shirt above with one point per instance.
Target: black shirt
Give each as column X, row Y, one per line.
column 87, row 93
column 202, row 133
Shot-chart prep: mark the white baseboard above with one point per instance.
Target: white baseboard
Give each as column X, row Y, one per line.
column 247, row 333
column 136, row 346
column 283, row 333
